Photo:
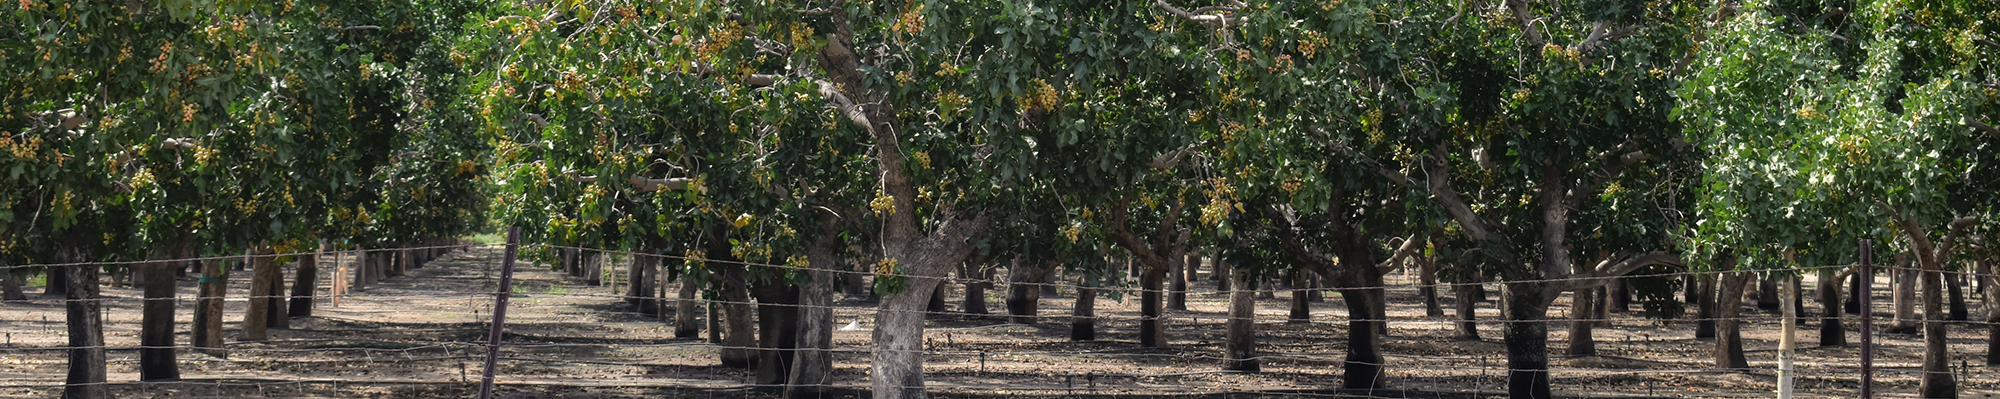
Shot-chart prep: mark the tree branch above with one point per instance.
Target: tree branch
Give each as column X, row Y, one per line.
column 1396, row 259
column 1140, row 249
column 1527, row 20
column 1295, row 248
column 1214, row 19
column 1981, row 126
column 1605, row 175
column 1603, row 274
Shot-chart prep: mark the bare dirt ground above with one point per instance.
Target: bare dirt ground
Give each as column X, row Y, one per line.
column 422, row 335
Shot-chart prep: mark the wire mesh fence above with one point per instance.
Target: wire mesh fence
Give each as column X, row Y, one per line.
column 424, row 334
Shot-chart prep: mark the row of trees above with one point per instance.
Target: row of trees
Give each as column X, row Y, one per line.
column 137, row 131
column 1544, row 145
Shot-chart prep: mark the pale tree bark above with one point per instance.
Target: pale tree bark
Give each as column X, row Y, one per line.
column 1986, row 268
column 687, row 311
column 1177, row 281
column 1024, row 291
column 1729, row 305
column 10, row 287
column 1905, row 296
column 214, row 285
column 1240, row 339
column 639, row 285
column 1155, row 254
column 812, row 366
column 1427, row 274
column 1583, row 303
column 1938, row 381
column 739, row 331
column 1083, row 316
column 1465, row 301
column 263, row 270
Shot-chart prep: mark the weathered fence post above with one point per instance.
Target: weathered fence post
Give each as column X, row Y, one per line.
column 499, row 313
column 1867, row 276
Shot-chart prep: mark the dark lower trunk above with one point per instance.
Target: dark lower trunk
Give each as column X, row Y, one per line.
column 777, row 318
column 305, row 280
column 975, row 293
column 1152, row 331
column 274, row 316
column 1728, row 334
column 1853, row 303
column 10, row 286
column 57, row 282
column 1301, row 302
column 1024, row 291
column 1767, row 294
column 1992, row 313
column 263, row 271
column 739, row 335
column 85, row 320
column 1584, row 303
column 812, row 363
column 1224, row 277
column 1621, row 296
column 1177, row 282
column 937, row 309
column 1240, row 335
column 1428, row 289
column 1704, row 313
column 1526, row 333
column 214, row 286
column 1366, row 314
column 1938, row 380
column 1831, row 332
column 1465, row 303
column 593, row 268
column 1083, row 318
column 639, row 285
column 1955, row 289
column 686, row 311
column 156, row 331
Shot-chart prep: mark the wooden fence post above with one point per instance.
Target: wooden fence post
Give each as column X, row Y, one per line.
column 499, row 313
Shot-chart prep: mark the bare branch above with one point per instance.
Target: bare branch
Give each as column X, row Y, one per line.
column 1170, row 158
column 760, row 80
column 1981, row 126
column 358, row 27
column 1198, row 16
column 1605, row 175
column 1520, row 8
column 1602, row 274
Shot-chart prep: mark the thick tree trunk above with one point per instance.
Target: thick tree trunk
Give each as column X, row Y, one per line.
column 978, row 278
column 812, row 364
column 1704, row 325
column 1366, row 314
column 85, row 319
column 305, row 283
column 1853, row 304
column 857, row 282
column 639, row 287
column 1728, row 335
column 1992, row 317
column 360, row 270
column 1224, row 277
column 1526, row 333
column 687, row 310
column 777, row 318
column 157, row 355
column 274, row 315
column 739, row 335
column 1955, row 290
column 593, row 268
column 399, row 260
column 214, row 286
column 1905, row 299
column 1177, row 281
column 1083, row 317
column 57, row 282
column 937, row 309
column 1301, row 302
column 10, row 286
column 1024, row 291
column 1584, row 305
column 1152, row 329
column 897, row 370
column 1465, row 300
column 263, row 271
column 1621, row 296
column 1831, row 332
column 1938, row 380
column 1240, row 335
column 1767, row 294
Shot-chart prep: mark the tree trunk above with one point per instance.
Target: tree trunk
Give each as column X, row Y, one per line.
column 978, row 278
column 1704, row 313
column 157, row 355
column 214, row 286
column 1526, row 333
column 1240, row 340
column 1955, row 289
column 937, row 309
column 57, row 283
column 1224, row 276
column 593, row 268
column 687, row 310
column 1301, row 311
column 361, row 264
column 1728, row 335
column 1853, row 304
column 399, row 261
column 639, row 287
column 812, row 364
column 1465, row 300
column 85, row 320
column 306, row 282
column 1905, row 299
column 739, row 337
column 1584, row 305
column 1083, row 317
column 1024, row 292
column 1992, row 313
column 274, row 315
column 1427, row 275
column 1767, row 294
column 1177, row 281
column 1831, row 332
column 10, row 287
column 1366, row 315
column 1621, row 295
column 777, row 318
column 1152, row 329
column 1938, row 380
column 263, row 271
column 897, row 370
column 856, row 282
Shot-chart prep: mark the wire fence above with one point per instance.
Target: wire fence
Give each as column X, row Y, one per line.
column 424, row 334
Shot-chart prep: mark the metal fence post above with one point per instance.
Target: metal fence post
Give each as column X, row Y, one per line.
column 499, row 312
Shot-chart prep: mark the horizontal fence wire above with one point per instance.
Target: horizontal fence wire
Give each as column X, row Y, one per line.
column 549, row 330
